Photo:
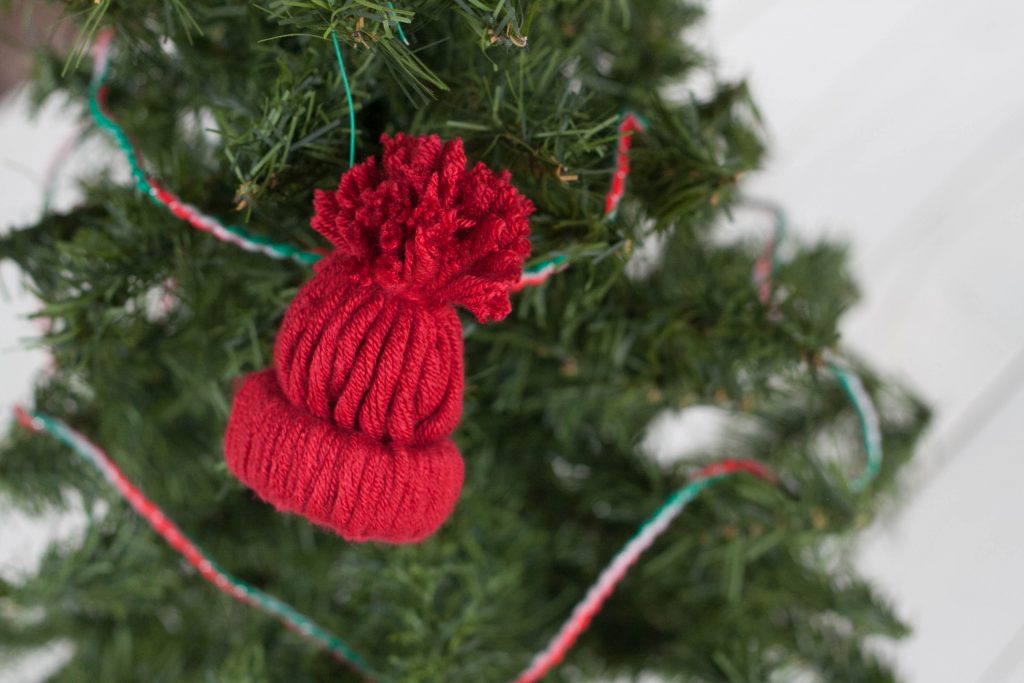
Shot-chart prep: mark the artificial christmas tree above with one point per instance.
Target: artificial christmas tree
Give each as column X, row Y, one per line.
column 229, row 111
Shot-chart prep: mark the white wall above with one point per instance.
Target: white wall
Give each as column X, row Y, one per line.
column 899, row 126
column 27, row 146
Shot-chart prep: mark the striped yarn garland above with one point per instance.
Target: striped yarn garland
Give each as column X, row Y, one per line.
column 629, row 124
column 160, row 195
column 241, row 591
column 867, row 415
column 765, row 266
column 768, row 261
column 541, row 272
column 542, row 663
column 601, row 590
column 243, row 239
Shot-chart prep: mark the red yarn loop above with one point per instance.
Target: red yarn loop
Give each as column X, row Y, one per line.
column 351, row 427
column 423, row 226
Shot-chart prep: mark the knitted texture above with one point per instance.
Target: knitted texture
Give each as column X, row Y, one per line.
column 351, row 427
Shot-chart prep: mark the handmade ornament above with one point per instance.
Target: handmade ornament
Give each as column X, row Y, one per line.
column 351, row 426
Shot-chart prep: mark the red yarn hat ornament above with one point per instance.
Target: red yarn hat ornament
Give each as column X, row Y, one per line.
column 351, row 426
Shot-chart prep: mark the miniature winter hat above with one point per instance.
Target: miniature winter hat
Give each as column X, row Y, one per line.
column 351, row 426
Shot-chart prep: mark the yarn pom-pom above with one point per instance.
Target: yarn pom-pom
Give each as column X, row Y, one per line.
column 424, row 227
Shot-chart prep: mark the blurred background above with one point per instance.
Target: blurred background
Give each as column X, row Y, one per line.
column 896, row 126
